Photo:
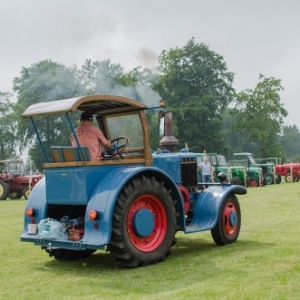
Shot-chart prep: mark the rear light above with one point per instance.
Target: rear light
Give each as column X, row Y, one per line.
column 93, row 214
column 29, row 212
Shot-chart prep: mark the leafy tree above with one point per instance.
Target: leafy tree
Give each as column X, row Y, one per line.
column 8, row 141
column 42, row 82
column 196, row 86
column 236, row 141
column 290, row 141
column 259, row 115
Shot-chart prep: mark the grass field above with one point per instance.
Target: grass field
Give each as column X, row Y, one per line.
column 263, row 264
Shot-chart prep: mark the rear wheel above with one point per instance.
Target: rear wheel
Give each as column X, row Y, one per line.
column 227, row 229
column 278, row 178
column 15, row 195
column 144, row 223
column 269, row 178
column 4, row 190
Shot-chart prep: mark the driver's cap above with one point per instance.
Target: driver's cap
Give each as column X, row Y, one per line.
column 86, row 116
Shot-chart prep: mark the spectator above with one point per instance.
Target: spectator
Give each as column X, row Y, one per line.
column 90, row 136
column 206, row 170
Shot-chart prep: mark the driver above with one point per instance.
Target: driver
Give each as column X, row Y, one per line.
column 90, row 136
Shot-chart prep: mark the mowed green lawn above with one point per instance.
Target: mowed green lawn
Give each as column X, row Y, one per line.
column 263, row 264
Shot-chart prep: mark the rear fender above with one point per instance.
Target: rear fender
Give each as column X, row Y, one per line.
column 104, row 196
column 208, row 205
column 37, row 201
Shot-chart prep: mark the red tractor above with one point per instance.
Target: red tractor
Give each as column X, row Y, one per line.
column 289, row 171
column 13, row 181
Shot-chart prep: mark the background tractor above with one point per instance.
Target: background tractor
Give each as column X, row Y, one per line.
column 237, row 174
column 289, row 171
column 13, row 182
column 268, row 169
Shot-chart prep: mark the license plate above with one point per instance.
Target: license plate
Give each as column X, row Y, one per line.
column 32, row 228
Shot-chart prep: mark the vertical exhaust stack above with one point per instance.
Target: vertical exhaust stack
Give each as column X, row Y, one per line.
column 168, row 142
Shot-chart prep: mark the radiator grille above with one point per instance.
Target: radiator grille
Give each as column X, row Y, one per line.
column 189, row 172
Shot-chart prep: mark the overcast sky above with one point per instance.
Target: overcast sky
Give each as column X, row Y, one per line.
column 254, row 36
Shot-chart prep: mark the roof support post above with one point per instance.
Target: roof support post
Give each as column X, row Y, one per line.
column 40, row 141
column 74, row 134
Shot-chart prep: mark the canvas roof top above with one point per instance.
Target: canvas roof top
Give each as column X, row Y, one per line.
column 92, row 103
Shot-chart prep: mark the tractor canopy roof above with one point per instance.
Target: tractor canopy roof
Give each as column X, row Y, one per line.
column 117, row 117
column 95, row 104
column 243, row 153
column 14, row 160
column 12, row 166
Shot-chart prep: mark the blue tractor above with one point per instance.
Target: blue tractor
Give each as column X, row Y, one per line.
column 130, row 203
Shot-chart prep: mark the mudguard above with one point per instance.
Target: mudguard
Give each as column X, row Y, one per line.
column 36, row 200
column 104, row 197
column 208, row 205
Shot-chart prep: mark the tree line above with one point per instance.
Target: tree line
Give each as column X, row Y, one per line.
column 193, row 82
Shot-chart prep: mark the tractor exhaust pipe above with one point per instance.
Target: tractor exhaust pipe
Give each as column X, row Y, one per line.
column 168, row 142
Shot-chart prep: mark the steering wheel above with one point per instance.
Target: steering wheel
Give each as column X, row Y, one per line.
column 116, row 148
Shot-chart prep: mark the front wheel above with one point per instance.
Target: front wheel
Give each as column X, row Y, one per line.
column 144, row 223
column 26, row 192
column 227, row 229
column 289, row 178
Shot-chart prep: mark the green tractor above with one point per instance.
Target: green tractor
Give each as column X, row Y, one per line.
column 268, row 169
column 237, row 174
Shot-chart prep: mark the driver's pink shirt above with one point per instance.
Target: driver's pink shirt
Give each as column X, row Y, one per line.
column 90, row 136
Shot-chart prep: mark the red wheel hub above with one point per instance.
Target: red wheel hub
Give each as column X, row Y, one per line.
column 230, row 219
column 147, row 223
column 253, row 183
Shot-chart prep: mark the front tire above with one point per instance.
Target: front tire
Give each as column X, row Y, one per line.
column 227, row 229
column 144, row 223
column 26, row 192
column 289, row 178
column 269, row 177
